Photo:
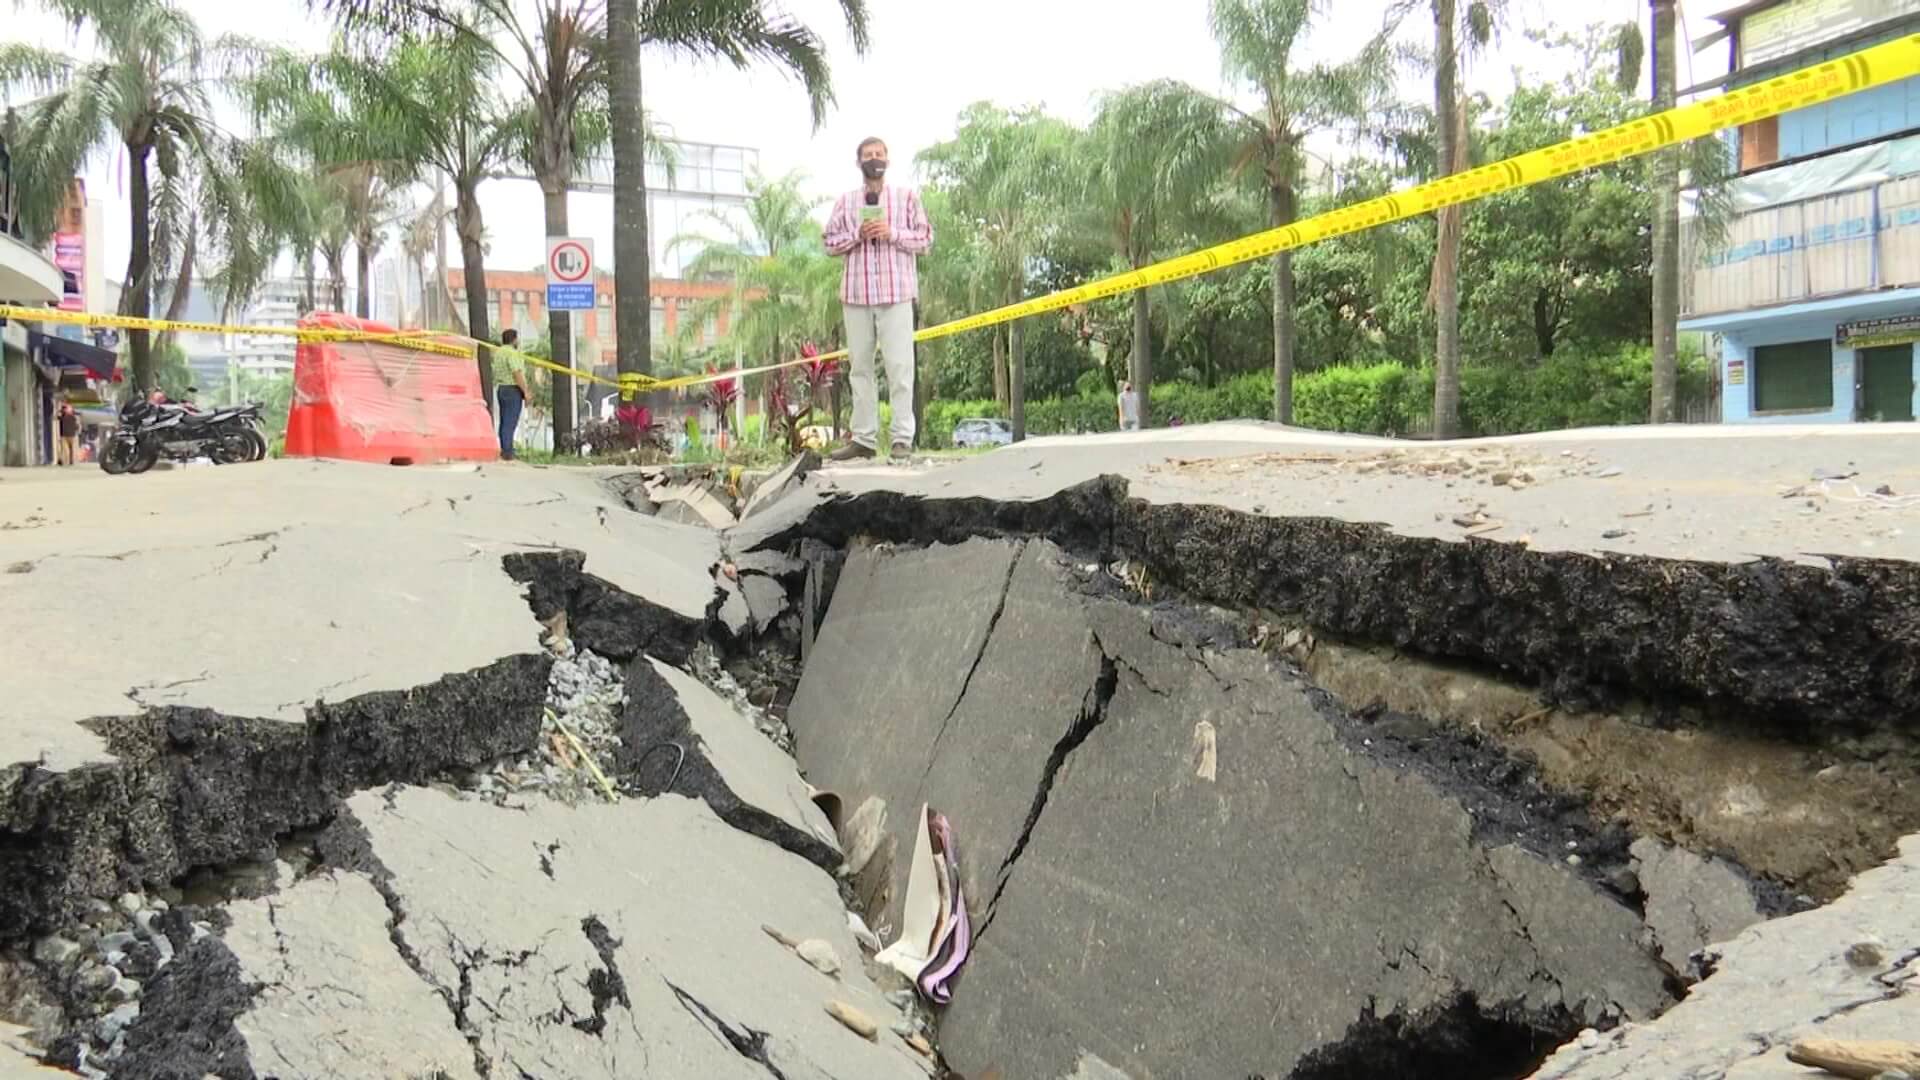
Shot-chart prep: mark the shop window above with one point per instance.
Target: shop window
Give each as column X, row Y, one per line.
column 1759, row 143
column 1793, row 378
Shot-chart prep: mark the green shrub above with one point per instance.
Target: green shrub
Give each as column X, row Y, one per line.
column 1567, row 390
column 1377, row 399
column 1068, row 416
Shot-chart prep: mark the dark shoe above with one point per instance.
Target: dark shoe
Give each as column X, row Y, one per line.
column 853, row 451
column 902, row 450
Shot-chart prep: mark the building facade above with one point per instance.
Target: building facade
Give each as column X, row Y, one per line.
column 517, row 299
column 32, row 374
column 1814, row 291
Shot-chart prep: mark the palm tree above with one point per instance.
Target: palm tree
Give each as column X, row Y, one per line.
column 149, row 91
column 1451, row 121
column 581, row 62
column 1257, row 40
column 1154, row 155
column 561, row 67
column 1666, row 224
column 741, row 32
column 326, row 112
column 439, row 108
column 778, row 268
column 1003, row 173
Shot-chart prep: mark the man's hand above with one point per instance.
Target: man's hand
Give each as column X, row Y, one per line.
column 875, row 229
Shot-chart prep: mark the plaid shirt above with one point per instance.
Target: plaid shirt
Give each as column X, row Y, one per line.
column 880, row 272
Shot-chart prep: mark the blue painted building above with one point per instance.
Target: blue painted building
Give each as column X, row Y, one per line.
column 1814, row 291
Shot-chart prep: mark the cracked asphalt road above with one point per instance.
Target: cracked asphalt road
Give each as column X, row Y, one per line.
column 259, row 590
column 1687, row 491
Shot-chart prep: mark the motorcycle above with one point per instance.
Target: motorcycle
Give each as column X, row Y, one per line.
column 150, row 431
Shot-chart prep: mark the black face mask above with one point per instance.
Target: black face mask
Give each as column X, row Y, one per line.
column 875, row 168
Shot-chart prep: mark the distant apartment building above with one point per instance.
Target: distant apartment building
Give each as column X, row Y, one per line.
column 1815, row 291
column 216, row 357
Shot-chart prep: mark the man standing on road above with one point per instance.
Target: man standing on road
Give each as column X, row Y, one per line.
column 881, row 230
column 1128, row 405
column 510, row 389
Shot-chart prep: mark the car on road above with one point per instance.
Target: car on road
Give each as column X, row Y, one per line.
column 978, row 431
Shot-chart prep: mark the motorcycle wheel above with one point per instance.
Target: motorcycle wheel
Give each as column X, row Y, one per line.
column 143, row 460
column 232, row 450
column 117, row 457
column 256, row 445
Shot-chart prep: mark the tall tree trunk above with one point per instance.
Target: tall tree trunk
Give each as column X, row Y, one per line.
column 336, row 277
column 560, row 334
column 182, row 287
column 1281, row 199
column 1666, row 225
column 473, row 271
column 363, row 276
column 1017, row 379
column 308, row 296
column 632, row 258
column 139, row 294
column 1446, row 257
column 1000, row 392
column 1140, row 366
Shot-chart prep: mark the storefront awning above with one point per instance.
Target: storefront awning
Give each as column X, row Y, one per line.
column 66, row 352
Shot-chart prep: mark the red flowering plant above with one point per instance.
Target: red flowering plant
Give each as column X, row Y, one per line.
column 793, row 393
column 721, row 394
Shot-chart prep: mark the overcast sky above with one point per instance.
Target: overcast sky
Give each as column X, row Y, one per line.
column 928, row 60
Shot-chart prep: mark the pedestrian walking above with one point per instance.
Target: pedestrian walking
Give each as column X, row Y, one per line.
column 880, row 230
column 1128, row 407
column 510, row 389
column 68, row 450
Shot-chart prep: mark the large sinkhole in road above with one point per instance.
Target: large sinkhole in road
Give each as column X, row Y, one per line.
column 1245, row 796
column 1232, row 796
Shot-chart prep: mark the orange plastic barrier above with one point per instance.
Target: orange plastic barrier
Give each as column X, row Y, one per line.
column 366, row 401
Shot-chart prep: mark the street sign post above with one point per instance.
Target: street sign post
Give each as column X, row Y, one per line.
column 569, row 273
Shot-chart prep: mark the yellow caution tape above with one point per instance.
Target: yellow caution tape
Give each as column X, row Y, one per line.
column 1876, row 66
column 1869, row 68
column 443, row 344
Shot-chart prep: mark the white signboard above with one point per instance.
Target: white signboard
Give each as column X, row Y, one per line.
column 569, row 273
column 1801, row 24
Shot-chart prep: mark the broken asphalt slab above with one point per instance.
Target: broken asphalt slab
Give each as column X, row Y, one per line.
column 1770, row 641
column 1119, row 787
column 619, row 941
column 781, row 483
column 635, row 953
column 678, row 736
column 1850, row 970
column 259, row 591
column 191, row 788
column 1692, row 901
column 1696, row 491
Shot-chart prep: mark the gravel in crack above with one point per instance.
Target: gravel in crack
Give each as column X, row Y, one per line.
column 585, row 695
column 98, row 969
column 757, row 699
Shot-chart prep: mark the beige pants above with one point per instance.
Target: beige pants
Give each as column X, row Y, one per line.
column 888, row 328
column 66, row 448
